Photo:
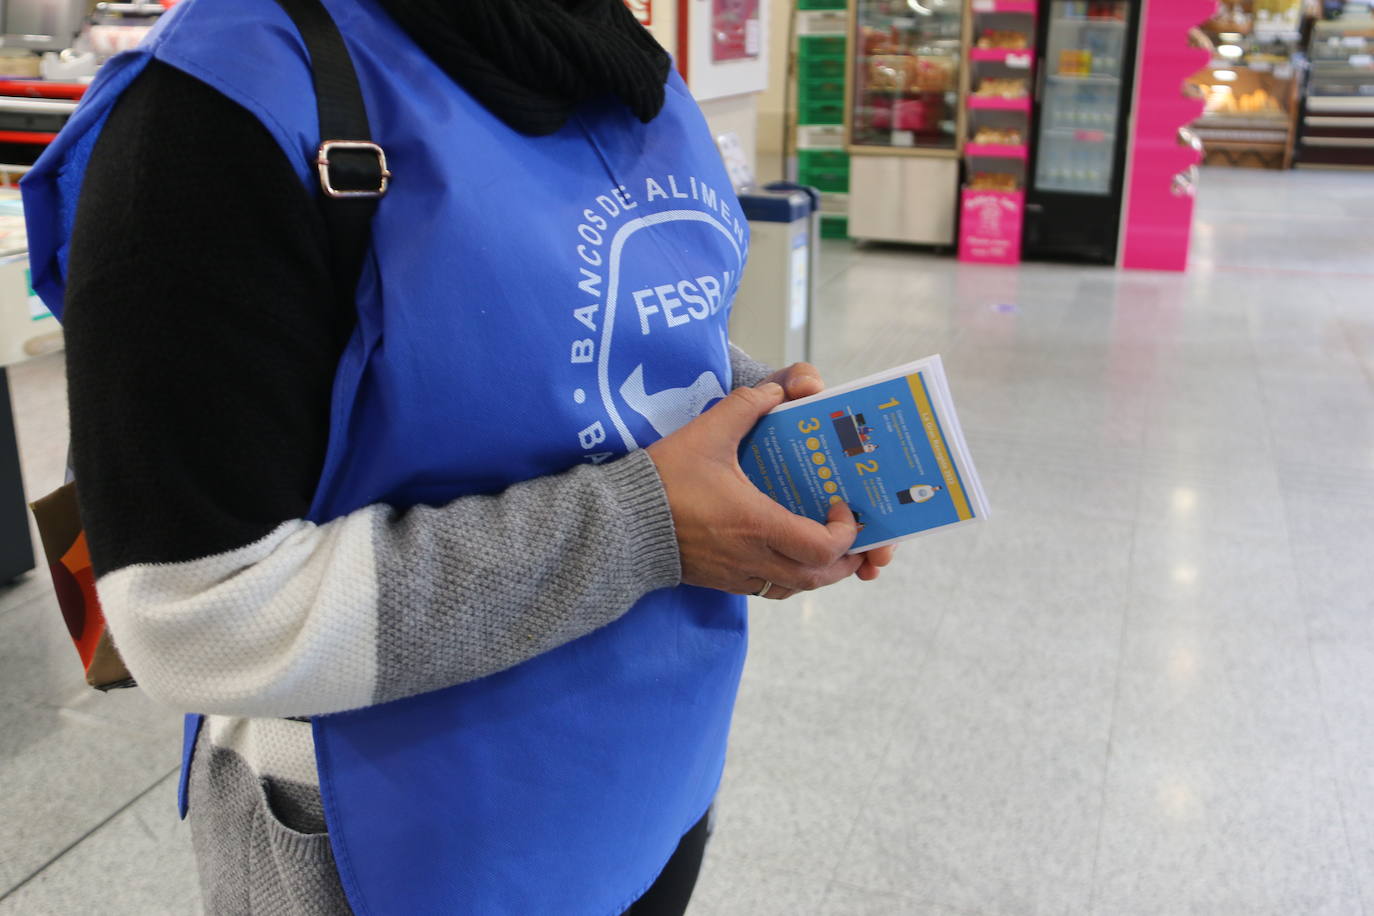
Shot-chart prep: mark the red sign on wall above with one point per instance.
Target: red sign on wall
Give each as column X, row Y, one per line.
column 734, row 30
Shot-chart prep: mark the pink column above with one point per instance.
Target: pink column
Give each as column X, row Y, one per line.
column 1158, row 221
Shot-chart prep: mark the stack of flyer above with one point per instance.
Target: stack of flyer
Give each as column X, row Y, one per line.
column 888, row 445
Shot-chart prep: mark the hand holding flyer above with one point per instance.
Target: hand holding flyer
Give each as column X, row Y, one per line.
column 888, row 445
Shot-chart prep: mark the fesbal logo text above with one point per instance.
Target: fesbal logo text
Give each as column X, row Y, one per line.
column 658, row 264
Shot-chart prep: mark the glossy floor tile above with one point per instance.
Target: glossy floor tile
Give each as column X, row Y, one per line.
column 1222, row 789
column 1146, row 686
column 730, row 886
column 805, row 761
column 65, row 774
column 139, row 863
column 846, row 900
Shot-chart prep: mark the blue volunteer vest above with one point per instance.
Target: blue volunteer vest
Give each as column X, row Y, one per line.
column 528, row 305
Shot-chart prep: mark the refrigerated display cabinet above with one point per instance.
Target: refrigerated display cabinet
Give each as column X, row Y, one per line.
column 904, row 118
column 1338, row 114
column 1084, row 80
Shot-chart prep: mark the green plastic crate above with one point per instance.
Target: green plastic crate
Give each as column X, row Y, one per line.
column 825, row 169
column 834, row 227
column 819, row 67
column 824, row 111
column 822, row 160
column 835, row 181
column 827, row 87
column 820, row 46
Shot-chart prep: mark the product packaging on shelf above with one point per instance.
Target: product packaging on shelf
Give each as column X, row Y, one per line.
column 1003, row 38
column 998, row 136
column 1002, row 87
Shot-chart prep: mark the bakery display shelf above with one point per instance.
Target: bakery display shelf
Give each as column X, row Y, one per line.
column 996, row 150
column 1215, row 137
column 997, row 124
column 998, row 103
column 1276, row 120
column 1004, row 6
column 1013, row 58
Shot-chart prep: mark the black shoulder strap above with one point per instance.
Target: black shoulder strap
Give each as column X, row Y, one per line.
column 352, row 168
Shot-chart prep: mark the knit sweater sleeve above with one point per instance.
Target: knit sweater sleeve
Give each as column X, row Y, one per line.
column 202, row 345
column 745, row 370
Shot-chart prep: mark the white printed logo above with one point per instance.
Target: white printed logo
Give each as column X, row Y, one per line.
column 651, row 310
column 672, row 408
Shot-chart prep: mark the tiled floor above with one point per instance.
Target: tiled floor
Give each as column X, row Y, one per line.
column 1146, row 687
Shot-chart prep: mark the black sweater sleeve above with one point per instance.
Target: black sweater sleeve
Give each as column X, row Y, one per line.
column 215, row 365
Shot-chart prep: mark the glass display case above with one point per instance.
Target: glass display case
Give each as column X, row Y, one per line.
column 1082, row 100
column 1252, row 85
column 1250, row 116
column 907, row 74
column 904, row 118
column 1338, row 120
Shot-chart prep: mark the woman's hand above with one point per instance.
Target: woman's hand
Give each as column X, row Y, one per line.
column 801, row 380
column 730, row 535
column 875, row 560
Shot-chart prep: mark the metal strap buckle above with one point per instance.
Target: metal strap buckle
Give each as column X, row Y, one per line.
column 323, row 163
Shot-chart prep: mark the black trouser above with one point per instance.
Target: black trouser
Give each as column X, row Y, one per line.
column 669, row 894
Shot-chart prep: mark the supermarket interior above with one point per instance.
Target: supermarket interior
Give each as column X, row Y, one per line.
column 1140, row 236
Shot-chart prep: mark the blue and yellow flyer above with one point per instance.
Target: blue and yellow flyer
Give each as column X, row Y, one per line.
column 888, row 445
